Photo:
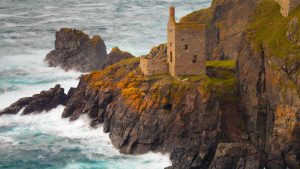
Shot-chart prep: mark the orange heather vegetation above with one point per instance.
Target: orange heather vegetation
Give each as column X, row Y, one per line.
column 143, row 92
column 138, row 91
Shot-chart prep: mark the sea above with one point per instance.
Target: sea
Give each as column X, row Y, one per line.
column 27, row 34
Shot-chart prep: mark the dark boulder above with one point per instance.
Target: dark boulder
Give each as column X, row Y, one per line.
column 44, row 101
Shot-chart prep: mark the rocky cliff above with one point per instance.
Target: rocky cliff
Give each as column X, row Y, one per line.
column 266, row 45
column 226, row 20
column 115, row 56
column 75, row 50
column 269, row 85
column 186, row 117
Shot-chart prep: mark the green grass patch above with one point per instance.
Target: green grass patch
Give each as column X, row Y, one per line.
column 202, row 16
column 268, row 32
column 225, row 89
column 226, row 64
column 268, row 29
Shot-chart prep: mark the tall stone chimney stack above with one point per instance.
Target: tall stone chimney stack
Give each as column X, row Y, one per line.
column 172, row 14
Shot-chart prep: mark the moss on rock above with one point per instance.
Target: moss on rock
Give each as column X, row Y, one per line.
column 271, row 34
column 140, row 92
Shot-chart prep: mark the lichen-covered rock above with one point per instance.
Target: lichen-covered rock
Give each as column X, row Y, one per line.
column 75, row 50
column 156, row 113
column 269, row 86
column 44, row 101
column 142, row 115
column 117, row 55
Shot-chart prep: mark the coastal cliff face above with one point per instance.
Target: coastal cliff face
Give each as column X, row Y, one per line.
column 266, row 45
column 226, row 20
column 269, row 83
column 186, row 117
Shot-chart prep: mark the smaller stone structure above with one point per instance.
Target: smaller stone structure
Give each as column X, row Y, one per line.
column 155, row 62
column 287, row 6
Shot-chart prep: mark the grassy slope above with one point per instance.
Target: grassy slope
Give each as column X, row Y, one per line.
column 202, row 16
column 229, row 64
column 268, row 28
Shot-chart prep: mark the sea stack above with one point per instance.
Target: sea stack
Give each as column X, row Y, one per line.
column 75, row 50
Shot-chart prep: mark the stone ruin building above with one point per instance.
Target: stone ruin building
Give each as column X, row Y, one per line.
column 287, row 6
column 183, row 55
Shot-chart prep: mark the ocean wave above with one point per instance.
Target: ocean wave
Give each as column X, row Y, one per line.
column 27, row 74
column 48, row 132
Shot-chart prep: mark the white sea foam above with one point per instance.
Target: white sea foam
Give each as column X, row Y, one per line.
column 34, row 76
column 94, row 143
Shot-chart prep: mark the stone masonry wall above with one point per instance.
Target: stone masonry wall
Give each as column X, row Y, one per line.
column 171, row 46
column 151, row 66
column 190, row 50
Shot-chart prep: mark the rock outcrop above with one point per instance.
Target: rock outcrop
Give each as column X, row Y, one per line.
column 44, row 101
column 159, row 113
column 269, row 85
column 75, row 50
column 116, row 55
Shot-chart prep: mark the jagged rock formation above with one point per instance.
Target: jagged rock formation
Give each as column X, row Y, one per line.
column 183, row 116
column 75, row 50
column 269, row 84
column 160, row 113
column 44, row 101
column 116, row 55
column 143, row 116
